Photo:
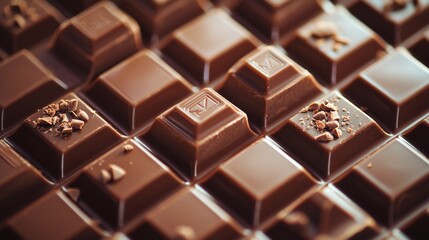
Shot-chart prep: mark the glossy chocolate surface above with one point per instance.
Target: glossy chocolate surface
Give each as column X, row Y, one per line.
column 323, row 215
column 122, row 183
column 275, row 19
column 138, row 89
column 299, row 137
column 28, row 183
column 393, row 180
column 97, row 39
column 51, row 217
column 207, row 47
column 331, row 58
column 257, row 182
column 159, row 18
column 394, row 22
column 23, row 23
column 268, row 86
column 396, row 95
column 186, row 215
column 59, row 156
column 22, row 92
column 199, row 132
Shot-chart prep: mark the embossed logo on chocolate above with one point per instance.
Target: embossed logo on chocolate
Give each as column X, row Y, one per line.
column 96, row 23
column 202, row 105
column 267, row 63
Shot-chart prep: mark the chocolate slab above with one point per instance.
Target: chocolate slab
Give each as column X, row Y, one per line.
column 421, row 48
column 394, row 90
column 24, row 23
column 96, row 39
column 19, row 182
column 268, row 86
column 323, row 215
column 417, row 228
column 22, row 92
column 205, row 57
column 138, row 89
column 186, row 215
column 417, row 136
column 318, row 148
column 333, row 45
column 274, row 19
column 394, row 20
column 258, row 182
column 389, row 183
column 122, row 183
column 159, row 18
column 52, row 217
column 59, row 155
column 199, row 132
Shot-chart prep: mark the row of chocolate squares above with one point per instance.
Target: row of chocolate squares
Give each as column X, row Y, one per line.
column 260, row 188
column 265, row 84
column 203, row 131
column 340, row 42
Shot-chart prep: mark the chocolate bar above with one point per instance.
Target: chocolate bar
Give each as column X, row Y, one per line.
column 214, row 119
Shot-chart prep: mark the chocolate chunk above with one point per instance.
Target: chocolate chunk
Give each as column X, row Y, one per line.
column 395, row 20
column 25, row 23
column 382, row 89
column 394, row 185
column 320, row 115
column 268, row 86
column 72, row 105
column 190, row 209
column 199, row 132
column 77, row 124
column 418, row 136
column 133, row 183
column 97, row 39
column 337, row 133
column 39, row 221
column 258, row 182
column 19, row 182
column 82, row 115
column 163, row 17
column 128, row 148
column 314, row 106
column 324, row 137
column 300, row 138
column 332, row 124
column 333, row 64
column 23, row 92
column 275, row 20
column 323, row 215
column 151, row 87
column 203, row 58
column 60, row 157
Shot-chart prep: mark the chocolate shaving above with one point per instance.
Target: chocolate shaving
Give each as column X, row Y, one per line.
column 82, row 115
column 337, row 132
column 128, row 148
column 324, row 137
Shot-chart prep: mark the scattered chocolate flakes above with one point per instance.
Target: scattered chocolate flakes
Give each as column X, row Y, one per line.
column 62, row 118
column 128, row 148
column 324, row 137
column 324, row 31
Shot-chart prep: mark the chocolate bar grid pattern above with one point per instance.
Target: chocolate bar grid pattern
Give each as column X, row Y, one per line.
column 406, row 133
